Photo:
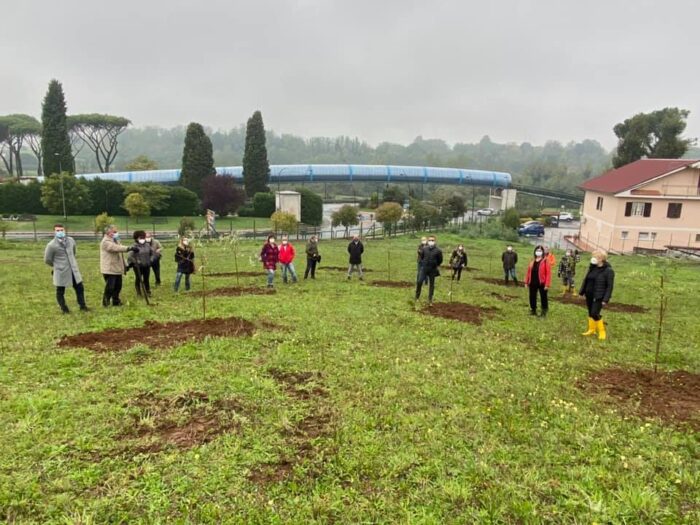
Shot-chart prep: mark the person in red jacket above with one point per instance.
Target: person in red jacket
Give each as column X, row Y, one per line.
column 286, row 258
column 538, row 278
column 269, row 255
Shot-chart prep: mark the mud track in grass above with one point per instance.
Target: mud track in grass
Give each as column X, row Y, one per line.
column 672, row 397
column 466, row 313
column 159, row 335
column 235, row 291
column 306, row 436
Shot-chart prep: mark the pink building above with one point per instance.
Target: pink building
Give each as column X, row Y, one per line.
column 649, row 204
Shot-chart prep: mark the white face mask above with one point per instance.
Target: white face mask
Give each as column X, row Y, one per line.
column 431, row 243
column 538, row 253
column 272, row 241
column 594, row 260
column 284, row 242
column 185, row 243
column 509, row 249
column 142, row 241
column 148, row 239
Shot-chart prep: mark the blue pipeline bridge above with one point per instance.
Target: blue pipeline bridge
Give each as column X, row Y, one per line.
column 309, row 173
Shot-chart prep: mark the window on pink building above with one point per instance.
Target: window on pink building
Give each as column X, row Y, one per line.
column 674, row 210
column 599, row 204
column 638, row 209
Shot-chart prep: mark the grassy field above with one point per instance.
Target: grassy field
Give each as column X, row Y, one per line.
column 83, row 223
column 347, row 404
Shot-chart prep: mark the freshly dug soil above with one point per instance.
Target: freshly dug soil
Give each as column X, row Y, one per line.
column 159, row 335
column 233, row 274
column 612, row 307
column 235, row 291
column 673, row 397
column 500, row 282
column 306, row 387
column 466, row 313
column 393, row 284
column 340, row 268
column 183, row 421
column 467, row 269
column 501, row 297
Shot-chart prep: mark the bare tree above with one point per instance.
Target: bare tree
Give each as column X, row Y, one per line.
column 100, row 133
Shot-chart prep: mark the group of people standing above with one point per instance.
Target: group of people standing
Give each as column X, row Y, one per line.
column 145, row 253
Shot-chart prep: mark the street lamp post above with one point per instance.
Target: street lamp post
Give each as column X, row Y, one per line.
column 60, row 178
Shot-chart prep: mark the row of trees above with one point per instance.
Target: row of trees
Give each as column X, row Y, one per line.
column 59, row 138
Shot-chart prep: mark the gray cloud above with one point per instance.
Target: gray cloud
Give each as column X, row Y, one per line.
column 390, row 70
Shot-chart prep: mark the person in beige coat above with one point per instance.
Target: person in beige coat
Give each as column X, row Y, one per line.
column 112, row 265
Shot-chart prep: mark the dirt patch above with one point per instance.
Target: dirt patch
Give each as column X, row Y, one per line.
column 500, row 282
column 467, row 269
column 183, row 421
column 612, row 307
column 341, row 268
column 466, row 313
column 501, row 297
column 673, row 397
column 235, row 291
column 159, row 335
column 393, row 284
column 306, row 387
column 233, row 274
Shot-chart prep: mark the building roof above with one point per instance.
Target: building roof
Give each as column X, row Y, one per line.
column 633, row 174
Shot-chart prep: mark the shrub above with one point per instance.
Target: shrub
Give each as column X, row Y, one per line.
column 136, row 205
column 102, row 221
column 311, row 207
column 284, row 222
column 511, row 219
column 264, row 204
column 246, row 210
column 182, row 202
column 21, row 198
column 186, row 226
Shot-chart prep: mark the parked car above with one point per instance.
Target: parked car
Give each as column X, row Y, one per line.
column 486, row 211
column 565, row 216
column 534, row 228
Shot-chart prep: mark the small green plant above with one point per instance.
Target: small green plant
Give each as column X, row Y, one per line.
column 102, row 221
column 284, row 222
column 186, row 226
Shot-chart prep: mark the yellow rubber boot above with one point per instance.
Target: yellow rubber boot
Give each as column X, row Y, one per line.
column 591, row 327
column 564, row 290
column 602, row 335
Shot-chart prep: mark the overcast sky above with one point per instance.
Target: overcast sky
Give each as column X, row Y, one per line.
column 528, row 70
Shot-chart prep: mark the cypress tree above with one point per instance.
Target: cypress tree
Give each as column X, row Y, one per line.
column 197, row 158
column 256, row 168
column 55, row 142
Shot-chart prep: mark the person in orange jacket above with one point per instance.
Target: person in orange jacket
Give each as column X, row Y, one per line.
column 538, row 279
column 549, row 257
column 286, row 259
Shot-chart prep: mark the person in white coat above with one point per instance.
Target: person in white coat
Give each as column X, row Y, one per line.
column 60, row 256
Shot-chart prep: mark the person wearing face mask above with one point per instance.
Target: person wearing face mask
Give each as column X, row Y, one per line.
column 509, row 258
column 355, row 250
column 157, row 248
column 538, row 279
column 567, row 272
column 184, row 258
column 597, row 287
column 423, row 244
column 312, row 257
column 458, row 261
column 549, row 257
column 140, row 260
column 286, row 258
column 112, row 265
column 431, row 259
column 60, row 256
column 269, row 255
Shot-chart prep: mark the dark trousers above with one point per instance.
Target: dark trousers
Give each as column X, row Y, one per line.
column 310, row 268
column 422, row 277
column 595, row 306
column 156, row 269
column 142, row 280
column 457, row 272
column 79, row 294
column 113, row 287
column 543, row 298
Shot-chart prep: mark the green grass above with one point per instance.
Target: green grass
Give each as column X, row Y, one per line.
column 433, row 421
column 84, row 223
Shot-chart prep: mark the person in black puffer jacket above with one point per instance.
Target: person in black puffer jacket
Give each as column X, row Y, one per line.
column 597, row 287
column 431, row 259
